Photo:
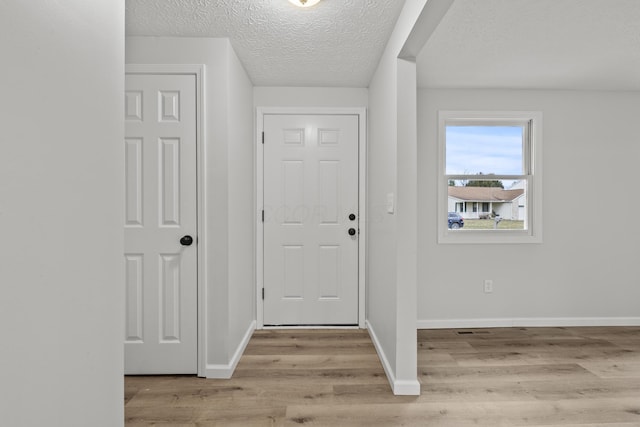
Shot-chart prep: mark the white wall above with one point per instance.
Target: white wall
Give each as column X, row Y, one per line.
column 310, row 97
column 242, row 303
column 585, row 271
column 61, row 213
column 391, row 304
column 228, row 187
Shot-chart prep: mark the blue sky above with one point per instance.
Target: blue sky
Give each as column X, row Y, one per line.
column 486, row 149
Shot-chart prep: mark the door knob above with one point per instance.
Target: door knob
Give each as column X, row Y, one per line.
column 352, row 217
column 186, row 241
column 352, row 232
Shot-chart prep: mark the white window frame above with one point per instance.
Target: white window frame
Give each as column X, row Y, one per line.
column 532, row 158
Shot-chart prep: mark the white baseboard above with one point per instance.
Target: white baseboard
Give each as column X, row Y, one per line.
column 406, row 388
column 226, row 371
column 399, row 387
column 528, row 322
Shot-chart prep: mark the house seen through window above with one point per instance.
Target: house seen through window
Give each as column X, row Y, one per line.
column 489, row 174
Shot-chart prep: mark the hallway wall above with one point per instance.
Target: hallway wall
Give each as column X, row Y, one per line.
column 61, row 206
column 391, row 304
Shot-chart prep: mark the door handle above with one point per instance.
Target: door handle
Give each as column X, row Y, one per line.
column 352, row 232
column 186, row 240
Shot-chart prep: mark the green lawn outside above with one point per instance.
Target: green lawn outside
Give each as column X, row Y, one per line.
column 488, row 224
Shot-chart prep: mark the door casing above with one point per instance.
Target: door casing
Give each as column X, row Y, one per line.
column 362, row 179
column 196, row 70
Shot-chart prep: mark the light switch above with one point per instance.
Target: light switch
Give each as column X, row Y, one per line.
column 390, row 203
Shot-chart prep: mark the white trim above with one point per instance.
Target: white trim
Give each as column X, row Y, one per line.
column 406, row 388
column 226, row 371
column 533, row 159
column 362, row 193
column 529, row 322
column 259, row 260
column 399, row 387
column 388, row 370
column 304, row 327
column 201, row 244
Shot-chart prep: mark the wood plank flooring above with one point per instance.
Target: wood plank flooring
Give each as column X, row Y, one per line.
column 566, row 377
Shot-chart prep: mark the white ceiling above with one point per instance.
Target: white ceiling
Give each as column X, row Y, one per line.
column 535, row 44
column 529, row 44
column 335, row 43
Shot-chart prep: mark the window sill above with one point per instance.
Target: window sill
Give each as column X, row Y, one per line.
column 474, row 237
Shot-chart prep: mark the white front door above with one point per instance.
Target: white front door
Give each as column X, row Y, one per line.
column 311, row 219
column 160, row 217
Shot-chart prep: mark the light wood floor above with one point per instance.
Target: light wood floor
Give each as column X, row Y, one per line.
column 483, row 377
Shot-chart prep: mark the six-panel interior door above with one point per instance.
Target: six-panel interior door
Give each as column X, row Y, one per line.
column 311, row 207
column 161, row 271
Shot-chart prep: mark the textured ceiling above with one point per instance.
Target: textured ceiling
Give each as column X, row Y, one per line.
column 535, row 44
column 335, row 43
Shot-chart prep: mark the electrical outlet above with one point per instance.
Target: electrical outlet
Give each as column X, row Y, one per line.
column 488, row 286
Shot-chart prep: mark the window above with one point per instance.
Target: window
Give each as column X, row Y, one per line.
column 490, row 163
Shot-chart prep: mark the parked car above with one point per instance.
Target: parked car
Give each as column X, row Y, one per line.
column 455, row 220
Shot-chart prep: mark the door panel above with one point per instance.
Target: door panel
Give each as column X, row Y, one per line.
column 134, row 270
column 310, row 189
column 160, row 208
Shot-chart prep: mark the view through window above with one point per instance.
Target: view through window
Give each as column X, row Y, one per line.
column 487, row 175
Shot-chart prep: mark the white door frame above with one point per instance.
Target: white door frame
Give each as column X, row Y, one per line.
column 196, row 70
column 362, row 180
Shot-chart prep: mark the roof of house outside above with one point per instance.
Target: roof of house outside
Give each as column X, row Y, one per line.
column 484, row 194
